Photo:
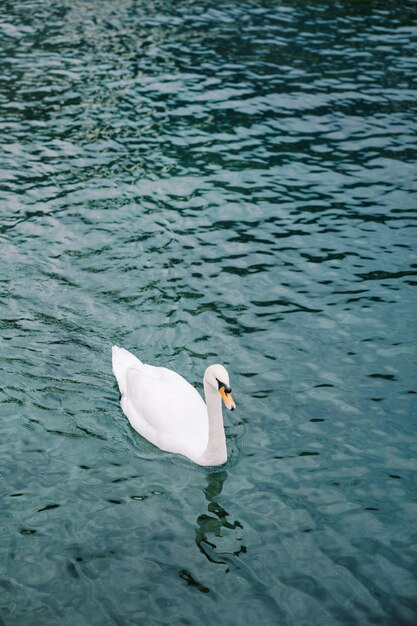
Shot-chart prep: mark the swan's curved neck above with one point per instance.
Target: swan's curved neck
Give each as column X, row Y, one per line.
column 216, row 451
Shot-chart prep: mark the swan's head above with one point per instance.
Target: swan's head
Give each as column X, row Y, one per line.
column 217, row 377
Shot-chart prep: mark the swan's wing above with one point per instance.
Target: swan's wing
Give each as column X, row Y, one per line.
column 163, row 407
column 122, row 360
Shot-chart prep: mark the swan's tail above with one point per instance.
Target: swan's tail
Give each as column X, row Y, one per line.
column 122, row 360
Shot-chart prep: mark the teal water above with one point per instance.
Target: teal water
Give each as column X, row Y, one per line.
column 202, row 182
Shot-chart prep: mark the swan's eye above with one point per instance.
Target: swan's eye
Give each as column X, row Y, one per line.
column 226, row 388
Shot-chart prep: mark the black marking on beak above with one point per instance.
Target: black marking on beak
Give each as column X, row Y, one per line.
column 226, row 387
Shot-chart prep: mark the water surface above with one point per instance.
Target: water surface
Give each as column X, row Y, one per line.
column 202, row 182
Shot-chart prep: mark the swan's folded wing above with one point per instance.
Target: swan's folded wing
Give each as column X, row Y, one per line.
column 122, row 360
column 164, row 408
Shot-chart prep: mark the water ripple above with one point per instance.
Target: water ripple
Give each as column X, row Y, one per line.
column 203, row 183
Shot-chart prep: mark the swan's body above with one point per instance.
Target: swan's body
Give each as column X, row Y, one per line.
column 165, row 409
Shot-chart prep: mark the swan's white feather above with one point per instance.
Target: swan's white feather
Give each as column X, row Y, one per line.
column 161, row 405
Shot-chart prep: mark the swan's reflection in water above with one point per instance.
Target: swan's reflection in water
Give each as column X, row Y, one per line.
column 211, row 524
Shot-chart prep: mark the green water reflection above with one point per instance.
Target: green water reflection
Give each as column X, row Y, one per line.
column 207, row 183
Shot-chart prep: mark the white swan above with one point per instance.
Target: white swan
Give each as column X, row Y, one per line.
column 165, row 409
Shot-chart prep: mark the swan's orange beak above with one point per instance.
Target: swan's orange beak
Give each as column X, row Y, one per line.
column 227, row 399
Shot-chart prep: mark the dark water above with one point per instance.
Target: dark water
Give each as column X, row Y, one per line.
column 202, row 182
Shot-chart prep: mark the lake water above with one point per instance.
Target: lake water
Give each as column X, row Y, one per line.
column 209, row 182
